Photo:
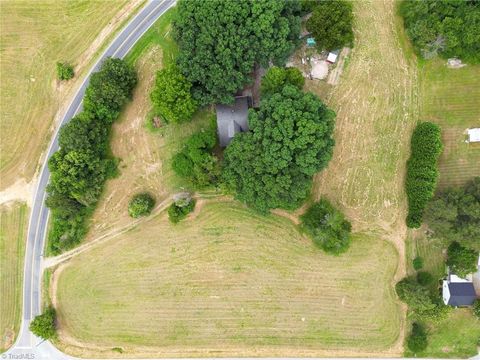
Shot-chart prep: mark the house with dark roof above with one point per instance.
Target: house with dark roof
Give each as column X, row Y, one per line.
column 457, row 291
column 232, row 119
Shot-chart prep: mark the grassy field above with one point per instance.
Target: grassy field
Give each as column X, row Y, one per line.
column 34, row 36
column 451, row 98
column 13, row 223
column 376, row 110
column 228, row 282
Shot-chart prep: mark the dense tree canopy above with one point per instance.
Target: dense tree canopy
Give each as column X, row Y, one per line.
column 461, row 260
column 171, row 96
column 141, row 205
column 331, row 24
column 220, row 41
column 290, row 140
column 454, row 215
column 81, row 166
column 44, row 325
column 448, row 28
column 277, row 77
column 422, row 172
column 328, row 227
column 417, row 340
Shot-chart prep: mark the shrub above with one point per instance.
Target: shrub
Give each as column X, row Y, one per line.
column 290, row 140
column 176, row 212
column 446, row 28
column 195, row 162
column 422, row 173
column 418, row 263
column 476, row 308
column 328, row 227
column 414, row 295
column 424, row 278
column 331, row 24
column 417, row 340
column 44, row 325
column 141, row 205
column 64, row 71
column 453, row 215
column 171, row 96
column 461, row 260
column 276, row 78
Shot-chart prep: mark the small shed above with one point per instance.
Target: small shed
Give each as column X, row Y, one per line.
column 332, row 56
column 473, row 135
column 232, row 119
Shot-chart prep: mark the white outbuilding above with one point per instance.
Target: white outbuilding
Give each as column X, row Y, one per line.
column 473, row 135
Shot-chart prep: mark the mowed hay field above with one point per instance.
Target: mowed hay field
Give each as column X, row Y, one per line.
column 227, row 282
column 34, row 36
column 375, row 103
column 13, row 227
column 451, row 98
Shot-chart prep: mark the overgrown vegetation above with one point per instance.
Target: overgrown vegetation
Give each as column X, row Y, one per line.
column 417, row 339
column 461, row 260
column 180, row 209
column 220, row 41
column 141, row 205
column 327, row 227
column 171, row 97
column 331, row 24
column 64, row 71
column 446, row 28
column 476, row 308
column 44, row 325
column 83, row 164
column 422, row 172
column 290, row 140
column 454, row 215
column 196, row 162
column 277, row 77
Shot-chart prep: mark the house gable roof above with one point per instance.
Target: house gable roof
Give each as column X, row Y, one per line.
column 232, row 119
column 461, row 294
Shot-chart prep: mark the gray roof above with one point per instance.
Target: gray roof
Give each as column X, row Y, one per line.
column 232, row 119
column 461, row 294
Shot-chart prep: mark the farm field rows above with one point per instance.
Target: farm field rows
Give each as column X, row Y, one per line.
column 13, row 224
column 451, row 98
column 33, row 39
column 228, row 282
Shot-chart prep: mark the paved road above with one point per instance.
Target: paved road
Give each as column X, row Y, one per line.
column 26, row 342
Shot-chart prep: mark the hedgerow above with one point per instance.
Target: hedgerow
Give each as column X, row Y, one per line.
column 83, row 164
column 422, row 172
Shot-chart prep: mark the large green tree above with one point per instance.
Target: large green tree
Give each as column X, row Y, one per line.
column 331, row 24
column 277, row 77
column 454, row 215
column 220, row 41
column 171, row 96
column 290, row 140
column 461, row 260
column 448, row 28
column 44, row 325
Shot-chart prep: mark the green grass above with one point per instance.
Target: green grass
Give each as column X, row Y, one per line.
column 159, row 34
column 230, row 281
column 451, row 98
column 455, row 337
column 13, row 221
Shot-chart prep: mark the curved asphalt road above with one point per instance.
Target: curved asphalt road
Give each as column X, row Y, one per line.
column 28, row 346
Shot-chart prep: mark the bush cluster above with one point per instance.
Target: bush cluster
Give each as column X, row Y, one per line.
column 81, row 166
column 177, row 211
column 417, row 340
column 44, row 325
column 195, row 162
column 422, row 172
column 327, row 227
column 141, row 205
column 64, row 71
column 446, row 28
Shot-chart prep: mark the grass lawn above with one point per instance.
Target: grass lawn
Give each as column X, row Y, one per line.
column 451, row 98
column 13, row 224
column 34, row 36
column 228, row 281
